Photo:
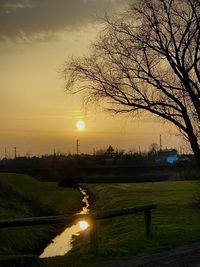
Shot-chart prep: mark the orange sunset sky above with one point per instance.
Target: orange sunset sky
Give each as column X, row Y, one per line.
column 37, row 115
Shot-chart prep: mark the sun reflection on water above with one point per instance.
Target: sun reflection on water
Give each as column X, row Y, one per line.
column 83, row 225
column 62, row 243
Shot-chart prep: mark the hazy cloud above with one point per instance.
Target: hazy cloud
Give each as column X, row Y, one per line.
column 26, row 18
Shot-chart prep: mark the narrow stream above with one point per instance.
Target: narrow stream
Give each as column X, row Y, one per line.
column 62, row 243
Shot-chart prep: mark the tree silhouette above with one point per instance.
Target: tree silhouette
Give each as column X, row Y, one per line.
column 153, row 149
column 147, row 60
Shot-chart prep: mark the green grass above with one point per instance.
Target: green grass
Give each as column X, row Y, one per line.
column 175, row 222
column 110, row 196
column 24, row 196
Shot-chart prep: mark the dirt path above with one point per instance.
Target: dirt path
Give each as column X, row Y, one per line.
column 186, row 256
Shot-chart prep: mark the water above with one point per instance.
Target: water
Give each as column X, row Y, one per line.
column 62, row 243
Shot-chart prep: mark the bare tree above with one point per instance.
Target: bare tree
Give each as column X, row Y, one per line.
column 147, row 60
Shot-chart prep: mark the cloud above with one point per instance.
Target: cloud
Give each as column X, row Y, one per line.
column 28, row 18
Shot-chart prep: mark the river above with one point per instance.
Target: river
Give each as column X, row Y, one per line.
column 62, row 243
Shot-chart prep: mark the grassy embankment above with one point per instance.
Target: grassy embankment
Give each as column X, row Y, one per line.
column 175, row 222
column 23, row 196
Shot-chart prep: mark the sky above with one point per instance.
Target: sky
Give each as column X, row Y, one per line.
column 37, row 116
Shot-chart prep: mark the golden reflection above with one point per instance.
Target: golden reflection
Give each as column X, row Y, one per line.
column 83, row 225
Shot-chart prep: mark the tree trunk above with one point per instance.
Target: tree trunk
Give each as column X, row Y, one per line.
column 195, row 147
column 193, row 140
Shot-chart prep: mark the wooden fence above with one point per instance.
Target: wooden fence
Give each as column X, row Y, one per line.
column 92, row 218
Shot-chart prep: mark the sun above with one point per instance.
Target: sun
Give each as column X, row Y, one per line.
column 80, row 125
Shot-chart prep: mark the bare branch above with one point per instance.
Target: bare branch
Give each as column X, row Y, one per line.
column 147, row 61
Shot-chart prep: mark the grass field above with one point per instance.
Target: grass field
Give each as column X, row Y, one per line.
column 24, row 196
column 175, row 222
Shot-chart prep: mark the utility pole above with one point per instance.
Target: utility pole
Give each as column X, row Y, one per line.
column 54, row 156
column 54, row 162
column 77, row 147
column 15, row 152
column 6, row 155
column 160, row 142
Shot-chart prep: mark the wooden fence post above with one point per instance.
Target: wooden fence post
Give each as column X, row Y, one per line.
column 147, row 219
column 94, row 246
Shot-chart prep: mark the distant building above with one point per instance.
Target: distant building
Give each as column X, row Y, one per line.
column 167, row 156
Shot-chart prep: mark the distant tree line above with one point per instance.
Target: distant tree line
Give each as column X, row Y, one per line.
column 56, row 166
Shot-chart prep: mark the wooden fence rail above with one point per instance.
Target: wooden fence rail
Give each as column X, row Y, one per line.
column 92, row 218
